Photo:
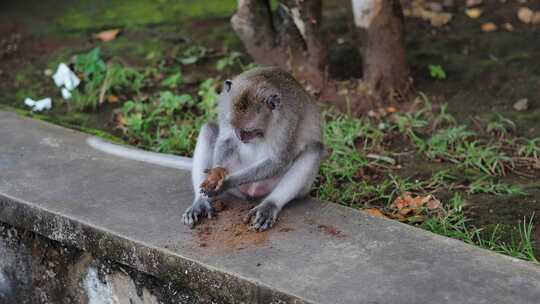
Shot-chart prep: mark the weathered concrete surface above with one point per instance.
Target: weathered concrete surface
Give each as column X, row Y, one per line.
column 35, row 270
column 52, row 183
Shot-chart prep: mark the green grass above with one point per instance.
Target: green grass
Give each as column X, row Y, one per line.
column 168, row 122
column 101, row 79
column 82, row 15
column 487, row 185
column 530, row 148
column 453, row 223
column 437, row 72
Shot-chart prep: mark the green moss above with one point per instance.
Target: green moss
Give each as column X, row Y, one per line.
column 100, row 13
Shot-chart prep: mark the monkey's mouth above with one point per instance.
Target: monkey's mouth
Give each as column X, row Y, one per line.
column 246, row 135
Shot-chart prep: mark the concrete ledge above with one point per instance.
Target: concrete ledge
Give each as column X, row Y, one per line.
column 53, row 183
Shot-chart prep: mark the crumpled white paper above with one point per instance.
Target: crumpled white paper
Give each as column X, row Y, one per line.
column 40, row 105
column 64, row 78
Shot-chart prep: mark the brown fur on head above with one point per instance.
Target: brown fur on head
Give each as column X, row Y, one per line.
column 254, row 98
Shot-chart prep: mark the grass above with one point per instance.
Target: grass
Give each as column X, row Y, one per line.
column 530, row 148
column 101, row 79
column 168, row 122
column 453, row 223
column 159, row 112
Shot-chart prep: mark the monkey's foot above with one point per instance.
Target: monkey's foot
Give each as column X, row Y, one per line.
column 200, row 209
column 262, row 217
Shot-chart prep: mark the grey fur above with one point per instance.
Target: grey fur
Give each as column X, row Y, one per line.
column 290, row 150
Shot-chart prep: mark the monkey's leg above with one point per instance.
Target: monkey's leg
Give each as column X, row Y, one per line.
column 202, row 160
column 295, row 183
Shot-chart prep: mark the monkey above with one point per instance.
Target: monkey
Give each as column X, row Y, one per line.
column 268, row 141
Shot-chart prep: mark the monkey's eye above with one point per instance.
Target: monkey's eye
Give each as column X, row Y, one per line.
column 227, row 85
column 242, row 104
column 273, row 101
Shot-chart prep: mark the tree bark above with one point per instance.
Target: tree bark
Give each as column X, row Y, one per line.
column 290, row 38
column 386, row 73
column 253, row 24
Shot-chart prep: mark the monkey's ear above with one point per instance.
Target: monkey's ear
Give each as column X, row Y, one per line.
column 227, row 85
column 273, row 101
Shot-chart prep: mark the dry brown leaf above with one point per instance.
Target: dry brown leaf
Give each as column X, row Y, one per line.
column 107, row 35
column 113, row 99
column 508, row 26
column 473, row 13
column 488, row 27
column 525, row 15
column 374, row 212
column 433, row 204
column 407, row 204
column 440, row 19
column 406, row 211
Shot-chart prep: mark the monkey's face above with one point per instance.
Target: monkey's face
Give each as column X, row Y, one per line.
column 252, row 111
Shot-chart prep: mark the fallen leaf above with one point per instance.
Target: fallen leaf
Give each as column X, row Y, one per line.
column 521, row 105
column 113, row 99
column 391, row 109
column 406, row 211
column 440, row 19
column 107, row 35
column 508, row 26
column 374, row 212
column 488, row 27
column 473, row 13
column 406, row 204
column 433, row 204
column 525, row 15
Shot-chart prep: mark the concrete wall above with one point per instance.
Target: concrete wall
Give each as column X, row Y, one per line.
column 34, row 269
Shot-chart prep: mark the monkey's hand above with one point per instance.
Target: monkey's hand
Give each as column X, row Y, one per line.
column 214, row 183
column 201, row 208
column 263, row 216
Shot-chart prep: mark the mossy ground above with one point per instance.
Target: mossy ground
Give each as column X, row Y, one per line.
column 486, row 72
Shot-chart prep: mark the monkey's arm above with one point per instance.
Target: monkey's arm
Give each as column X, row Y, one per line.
column 261, row 170
column 224, row 151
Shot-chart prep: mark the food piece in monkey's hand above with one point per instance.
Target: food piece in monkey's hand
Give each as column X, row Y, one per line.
column 214, row 180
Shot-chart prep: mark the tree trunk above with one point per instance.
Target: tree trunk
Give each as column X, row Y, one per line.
column 289, row 38
column 386, row 73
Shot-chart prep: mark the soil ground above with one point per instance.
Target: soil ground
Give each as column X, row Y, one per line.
column 486, row 72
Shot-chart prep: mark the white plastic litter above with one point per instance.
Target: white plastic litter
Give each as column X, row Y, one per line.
column 66, row 94
column 40, row 105
column 64, row 77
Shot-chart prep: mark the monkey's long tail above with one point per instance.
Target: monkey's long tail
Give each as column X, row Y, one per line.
column 161, row 159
